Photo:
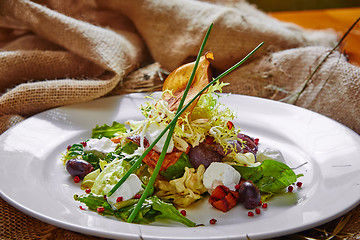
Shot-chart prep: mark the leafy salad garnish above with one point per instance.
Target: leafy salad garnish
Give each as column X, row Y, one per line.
column 209, row 116
column 270, row 176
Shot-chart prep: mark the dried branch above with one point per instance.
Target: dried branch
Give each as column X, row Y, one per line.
column 292, row 99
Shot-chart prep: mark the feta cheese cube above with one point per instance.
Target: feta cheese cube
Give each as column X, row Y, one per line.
column 220, row 174
column 153, row 131
column 127, row 190
column 100, row 147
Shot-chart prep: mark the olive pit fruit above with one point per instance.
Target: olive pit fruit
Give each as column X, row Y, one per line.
column 78, row 167
column 249, row 195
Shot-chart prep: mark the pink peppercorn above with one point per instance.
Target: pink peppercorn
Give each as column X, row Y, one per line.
column 212, row 221
column 100, row 209
column 76, row 179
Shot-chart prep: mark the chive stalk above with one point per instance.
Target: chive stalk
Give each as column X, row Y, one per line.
column 150, row 184
column 171, row 127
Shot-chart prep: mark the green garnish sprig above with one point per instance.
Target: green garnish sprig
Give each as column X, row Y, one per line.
column 171, row 126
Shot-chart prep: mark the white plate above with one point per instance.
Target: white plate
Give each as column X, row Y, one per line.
column 33, row 179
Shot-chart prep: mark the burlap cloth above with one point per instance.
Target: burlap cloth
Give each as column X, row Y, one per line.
column 55, row 53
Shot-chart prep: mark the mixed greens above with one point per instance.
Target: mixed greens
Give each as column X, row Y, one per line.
column 181, row 182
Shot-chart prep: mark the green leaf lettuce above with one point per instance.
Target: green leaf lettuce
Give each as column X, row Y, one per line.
column 108, row 131
column 270, row 176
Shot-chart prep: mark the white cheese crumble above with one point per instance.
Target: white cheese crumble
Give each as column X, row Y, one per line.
column 153, row 131
column 127, row 190
column 100, row 147
column 221, row 174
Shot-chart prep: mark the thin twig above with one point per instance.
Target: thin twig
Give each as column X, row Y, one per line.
column 294, row 97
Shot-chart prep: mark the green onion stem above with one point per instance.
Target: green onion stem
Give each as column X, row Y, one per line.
column 172, row 125
column 296, row 96
column 150, row 184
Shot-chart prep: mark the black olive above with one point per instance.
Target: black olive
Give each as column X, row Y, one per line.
column 249, row 195
column 78, row 167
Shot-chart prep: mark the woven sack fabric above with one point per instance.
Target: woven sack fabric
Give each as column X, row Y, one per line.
column 55, row 53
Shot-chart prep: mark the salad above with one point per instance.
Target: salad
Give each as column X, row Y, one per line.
column 208, row 158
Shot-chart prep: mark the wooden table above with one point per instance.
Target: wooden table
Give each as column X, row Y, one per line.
column 338, row 19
